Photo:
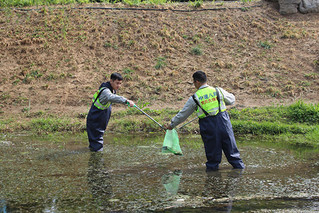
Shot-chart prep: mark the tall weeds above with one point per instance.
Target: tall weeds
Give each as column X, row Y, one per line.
column 304, row 113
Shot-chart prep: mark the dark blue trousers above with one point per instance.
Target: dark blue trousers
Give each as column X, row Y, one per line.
column 96, row 124
column 217, row 135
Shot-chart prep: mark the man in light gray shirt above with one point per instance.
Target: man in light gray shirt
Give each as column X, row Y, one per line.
column 214, row 122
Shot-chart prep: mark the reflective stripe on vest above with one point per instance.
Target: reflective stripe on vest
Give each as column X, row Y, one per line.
column 97, row 102
column 207, row 98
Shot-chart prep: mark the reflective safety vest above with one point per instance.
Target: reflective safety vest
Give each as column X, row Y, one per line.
column 96, row 100
column 207, row 98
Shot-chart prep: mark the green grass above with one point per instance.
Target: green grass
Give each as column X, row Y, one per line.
column 265, row 44
column 298, row 112
column 196, row 51
column 196, row 3
column 160, row 63
column 128, row 73
column 269, row 128
column 303, row 113
column 46, row 125
column 25, row 3
column 296, row 124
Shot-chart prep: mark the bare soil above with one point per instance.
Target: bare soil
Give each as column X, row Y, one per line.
column 54, row 59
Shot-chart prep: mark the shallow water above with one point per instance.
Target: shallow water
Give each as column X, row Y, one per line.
column 50, row 174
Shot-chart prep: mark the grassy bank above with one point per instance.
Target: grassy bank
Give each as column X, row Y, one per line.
column 297, row 124
column 25, row 3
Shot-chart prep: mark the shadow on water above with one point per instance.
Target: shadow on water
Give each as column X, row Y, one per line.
column 132, row 175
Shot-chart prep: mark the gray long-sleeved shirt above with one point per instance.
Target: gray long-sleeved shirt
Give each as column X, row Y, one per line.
column 108, row 96
column 191, row 106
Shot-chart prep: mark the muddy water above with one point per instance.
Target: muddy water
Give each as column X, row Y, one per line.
column 59, row 174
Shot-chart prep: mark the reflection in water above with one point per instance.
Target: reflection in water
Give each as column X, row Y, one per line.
column 99, row 180
column 62, row 153
column 3, row 206
column 171, row 182
column 52, row 207
column 221, row 185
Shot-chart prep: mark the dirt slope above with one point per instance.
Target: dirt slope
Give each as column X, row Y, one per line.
column 55, row 59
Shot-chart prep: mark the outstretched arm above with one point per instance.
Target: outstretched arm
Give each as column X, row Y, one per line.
column 108, row 96
column 182, row 115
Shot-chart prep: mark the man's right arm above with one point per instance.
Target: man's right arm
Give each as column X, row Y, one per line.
column 182, row 115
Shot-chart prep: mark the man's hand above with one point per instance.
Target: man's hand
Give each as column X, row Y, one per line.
column 131, row 103
column 168, row 126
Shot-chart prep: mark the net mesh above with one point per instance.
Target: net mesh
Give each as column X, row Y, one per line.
column 171, row 143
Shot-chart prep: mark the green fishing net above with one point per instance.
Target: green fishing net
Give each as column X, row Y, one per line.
column 171, row 143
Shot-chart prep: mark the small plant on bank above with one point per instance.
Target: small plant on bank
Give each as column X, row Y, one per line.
column 196, row 51
column 196, row 3
column 244, row 9
column 132, row 2
column 107, row 44
column 196, row 39
column 210, row 40
column 128, row 73
column 293, row 34
column 265, row 44
column 312, row 75
column 160, row 63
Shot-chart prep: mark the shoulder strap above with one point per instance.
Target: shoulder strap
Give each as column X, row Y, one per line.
column 218, row 98
column 200, row 105
column 99, row 94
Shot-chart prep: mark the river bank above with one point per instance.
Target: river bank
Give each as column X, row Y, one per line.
column 296, row 124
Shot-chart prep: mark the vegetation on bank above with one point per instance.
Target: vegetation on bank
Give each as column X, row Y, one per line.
column 297, row 123
column 25, row 3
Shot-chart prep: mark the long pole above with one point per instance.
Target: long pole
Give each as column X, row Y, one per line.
column 188, row 123
column 149, row 117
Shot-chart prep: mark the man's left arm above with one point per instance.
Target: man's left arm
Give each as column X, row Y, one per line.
column 108, row 96
column 229, row 98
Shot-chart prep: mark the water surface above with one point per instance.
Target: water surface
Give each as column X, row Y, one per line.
column 59, row 174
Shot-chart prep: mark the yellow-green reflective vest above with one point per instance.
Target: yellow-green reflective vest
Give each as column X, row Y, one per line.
column 207, row 98
column 96, row 100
